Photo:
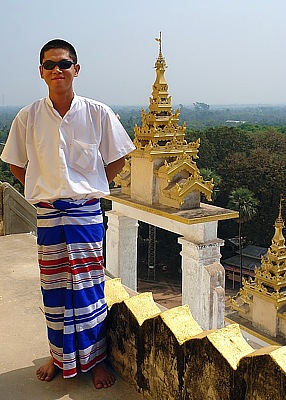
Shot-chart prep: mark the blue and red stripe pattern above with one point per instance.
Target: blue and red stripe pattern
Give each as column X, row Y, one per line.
column 70, row 235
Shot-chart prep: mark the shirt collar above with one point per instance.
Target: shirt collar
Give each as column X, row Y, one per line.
column 74, row 101
column 49, row 102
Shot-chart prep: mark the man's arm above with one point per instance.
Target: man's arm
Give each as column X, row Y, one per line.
column 114, row 168
column 18, row 172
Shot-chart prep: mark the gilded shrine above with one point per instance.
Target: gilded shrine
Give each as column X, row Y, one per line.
column 262, row 300
column 161, row 185
column 162, row 168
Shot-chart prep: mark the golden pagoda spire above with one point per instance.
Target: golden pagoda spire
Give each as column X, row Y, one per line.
column 270, row 280
column 278, row 240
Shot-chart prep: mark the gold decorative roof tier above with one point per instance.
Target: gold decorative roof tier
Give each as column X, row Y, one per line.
column 162, row 170
column 160, row 123
column 268, row 286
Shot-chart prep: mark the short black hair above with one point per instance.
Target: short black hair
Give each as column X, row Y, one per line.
column 58, row 44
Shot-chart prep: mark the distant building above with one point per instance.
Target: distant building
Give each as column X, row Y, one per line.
column 251, row 258
column 235, row 122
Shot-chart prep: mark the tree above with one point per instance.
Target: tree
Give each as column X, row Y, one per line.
column 243, row 201
column 209, row 174
column 263, row 171
column 200, row 106
column 219, row 143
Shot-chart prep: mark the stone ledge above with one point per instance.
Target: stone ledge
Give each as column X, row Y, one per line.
column 205, row 213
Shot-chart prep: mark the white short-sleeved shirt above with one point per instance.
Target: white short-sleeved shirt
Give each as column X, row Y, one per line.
column 64, row 157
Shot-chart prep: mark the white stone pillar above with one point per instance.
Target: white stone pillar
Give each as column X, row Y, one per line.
column 203, row 280
column 121, row 248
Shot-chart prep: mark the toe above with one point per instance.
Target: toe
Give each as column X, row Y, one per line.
column 40, row 374
column 102, row 378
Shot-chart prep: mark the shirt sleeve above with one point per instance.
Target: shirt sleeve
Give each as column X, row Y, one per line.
column 115, row 141
column 14, row 151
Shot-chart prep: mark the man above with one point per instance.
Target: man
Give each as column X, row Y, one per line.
column 57, row 147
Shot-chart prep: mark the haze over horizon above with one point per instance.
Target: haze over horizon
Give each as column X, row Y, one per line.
column 217, row 51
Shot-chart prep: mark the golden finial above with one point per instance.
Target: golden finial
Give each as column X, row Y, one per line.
column 280, row 206
column 279, row 219
column 159, row 39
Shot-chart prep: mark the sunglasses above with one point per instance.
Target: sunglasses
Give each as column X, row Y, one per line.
column 63, row 64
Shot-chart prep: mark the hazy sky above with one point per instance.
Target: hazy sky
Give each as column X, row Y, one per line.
column 217, row 51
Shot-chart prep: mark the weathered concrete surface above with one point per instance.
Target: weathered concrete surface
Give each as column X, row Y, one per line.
column 17, row 215
column 163, row 363
column 166, row 356
column 126, row 321
column 212, row 359
column 23, row 343
column 265, row 373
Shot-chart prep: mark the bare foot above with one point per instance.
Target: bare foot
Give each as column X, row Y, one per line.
column 48, row 371
column 102, row 377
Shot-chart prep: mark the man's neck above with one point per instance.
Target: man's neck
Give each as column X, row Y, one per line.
column 61, row 103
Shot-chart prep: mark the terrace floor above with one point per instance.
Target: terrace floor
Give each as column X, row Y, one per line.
column 23, row 343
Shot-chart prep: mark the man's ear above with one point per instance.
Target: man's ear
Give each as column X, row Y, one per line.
column 41, row 71
column 77, row 68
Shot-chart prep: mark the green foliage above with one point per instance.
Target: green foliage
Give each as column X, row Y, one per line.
column 129, row 116
column 246, row 158
column 243, row 200
column 209, row 174
column 218, row 143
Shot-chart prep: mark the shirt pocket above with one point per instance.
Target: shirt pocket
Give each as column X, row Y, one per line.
column 83, row 156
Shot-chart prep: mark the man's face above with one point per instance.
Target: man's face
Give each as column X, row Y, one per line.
column 59, row 80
